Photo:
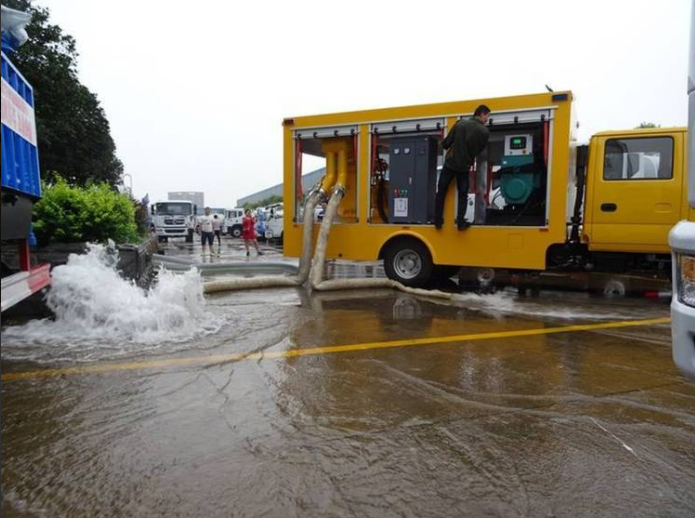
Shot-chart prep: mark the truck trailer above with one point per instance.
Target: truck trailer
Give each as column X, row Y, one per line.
column 21, row 180
column 539, row 200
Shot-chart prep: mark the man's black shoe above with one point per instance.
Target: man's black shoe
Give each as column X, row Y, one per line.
column 463, row 225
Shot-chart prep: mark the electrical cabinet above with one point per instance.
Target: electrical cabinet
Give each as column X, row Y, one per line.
column 412, row 179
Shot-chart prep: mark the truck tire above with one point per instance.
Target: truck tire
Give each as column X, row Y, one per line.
column 236, row 231
column 409, row 262
column 189, row 236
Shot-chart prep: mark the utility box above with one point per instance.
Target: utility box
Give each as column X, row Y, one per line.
column 412, row 179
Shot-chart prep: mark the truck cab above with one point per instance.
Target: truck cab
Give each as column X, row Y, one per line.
column 636, row 190
column 174, row 218
column 232, row 222
column 274, row 225
column 682, row 241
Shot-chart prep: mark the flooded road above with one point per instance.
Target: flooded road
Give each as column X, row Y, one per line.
column 356, row 404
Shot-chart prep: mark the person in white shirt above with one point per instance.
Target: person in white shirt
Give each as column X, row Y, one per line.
column 217, row 229
column 206, row 230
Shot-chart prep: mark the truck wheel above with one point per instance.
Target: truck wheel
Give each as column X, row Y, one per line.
column 281, row 239
column 236, row 232
column 189, row 236
column 614, row 288
column 409, row 262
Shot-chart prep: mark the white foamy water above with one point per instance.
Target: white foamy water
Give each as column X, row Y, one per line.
column 566, row 306
column 99, row 315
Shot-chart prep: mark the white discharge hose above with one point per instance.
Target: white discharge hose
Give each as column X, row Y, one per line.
column 315, row 269
column 274, row 281
column 317, row 282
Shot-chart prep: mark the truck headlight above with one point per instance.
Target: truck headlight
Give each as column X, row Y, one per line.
column 686, row 279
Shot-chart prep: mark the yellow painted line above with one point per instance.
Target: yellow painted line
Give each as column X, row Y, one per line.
column 331, row 349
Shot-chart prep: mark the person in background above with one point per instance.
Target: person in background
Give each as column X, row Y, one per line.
column 466, row 140
column 205, row 230
column 249, row 232
column 217, row 229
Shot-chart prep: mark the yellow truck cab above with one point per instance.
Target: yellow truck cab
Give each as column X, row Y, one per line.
column 636, row 190
column 538, row 200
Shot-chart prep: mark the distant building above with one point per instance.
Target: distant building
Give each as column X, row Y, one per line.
column 195, row 196
column 308, row 181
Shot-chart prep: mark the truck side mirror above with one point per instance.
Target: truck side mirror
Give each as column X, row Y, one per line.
column 195, row 210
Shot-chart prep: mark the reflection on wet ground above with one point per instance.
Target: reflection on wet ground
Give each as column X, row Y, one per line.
column 584, row 423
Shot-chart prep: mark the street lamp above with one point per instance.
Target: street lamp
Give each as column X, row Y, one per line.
column 130, row 188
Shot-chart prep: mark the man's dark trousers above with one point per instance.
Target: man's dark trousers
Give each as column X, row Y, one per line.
column 445, row 178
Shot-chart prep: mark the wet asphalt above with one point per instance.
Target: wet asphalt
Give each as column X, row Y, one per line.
column 593, row 422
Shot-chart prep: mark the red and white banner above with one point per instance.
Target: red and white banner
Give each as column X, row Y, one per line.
column 17, row 114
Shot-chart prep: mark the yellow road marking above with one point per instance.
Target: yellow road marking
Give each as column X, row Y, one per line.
column 331, row 349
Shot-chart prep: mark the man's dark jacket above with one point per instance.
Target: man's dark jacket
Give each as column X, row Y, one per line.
column 465, row 141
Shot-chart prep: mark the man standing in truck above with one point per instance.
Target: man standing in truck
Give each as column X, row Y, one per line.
column 466, row 140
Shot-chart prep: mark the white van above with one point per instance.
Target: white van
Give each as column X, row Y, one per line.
column 274, row 226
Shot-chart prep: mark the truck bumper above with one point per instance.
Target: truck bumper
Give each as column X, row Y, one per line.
column 21, row 285
column 683, row 334
column 172, row 232
column 682, row 241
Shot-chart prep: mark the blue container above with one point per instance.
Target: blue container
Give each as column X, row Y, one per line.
column 20, row 157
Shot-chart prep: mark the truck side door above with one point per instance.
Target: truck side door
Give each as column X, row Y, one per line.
column 636, row 191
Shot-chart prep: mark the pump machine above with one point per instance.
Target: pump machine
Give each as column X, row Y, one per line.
column 519, row 175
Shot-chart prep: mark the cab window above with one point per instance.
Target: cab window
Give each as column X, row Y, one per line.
column 638, row 159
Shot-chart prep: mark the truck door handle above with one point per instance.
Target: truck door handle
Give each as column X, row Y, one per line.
column 609, row 207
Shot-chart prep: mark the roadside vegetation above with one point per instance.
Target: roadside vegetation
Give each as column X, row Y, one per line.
column 95, row 213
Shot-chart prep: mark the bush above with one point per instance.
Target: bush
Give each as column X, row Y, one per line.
column 68, row 214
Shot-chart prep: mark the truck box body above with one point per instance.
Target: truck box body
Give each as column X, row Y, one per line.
column 21, row 181
column 21, row 184
column 20, row 157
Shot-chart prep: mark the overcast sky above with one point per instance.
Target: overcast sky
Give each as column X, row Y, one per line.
column 196, row 91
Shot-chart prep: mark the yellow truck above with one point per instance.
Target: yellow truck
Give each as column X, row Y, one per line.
column 538, row 200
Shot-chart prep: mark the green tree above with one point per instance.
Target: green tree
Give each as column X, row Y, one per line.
column 70, row 214
column 74, row 136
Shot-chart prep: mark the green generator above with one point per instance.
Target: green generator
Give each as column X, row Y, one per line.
column 519, row 176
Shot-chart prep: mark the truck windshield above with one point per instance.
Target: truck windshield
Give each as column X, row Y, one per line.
column 174, row 209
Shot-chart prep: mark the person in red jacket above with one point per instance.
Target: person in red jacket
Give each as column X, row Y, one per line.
column 249, row 232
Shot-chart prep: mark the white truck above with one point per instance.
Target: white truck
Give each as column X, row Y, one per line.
column 274, row 225
column 682, row 241
column 174, row 218
column 232, row 225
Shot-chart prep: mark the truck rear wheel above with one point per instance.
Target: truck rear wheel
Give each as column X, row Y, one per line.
column 409, row 262
column 236, row 232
